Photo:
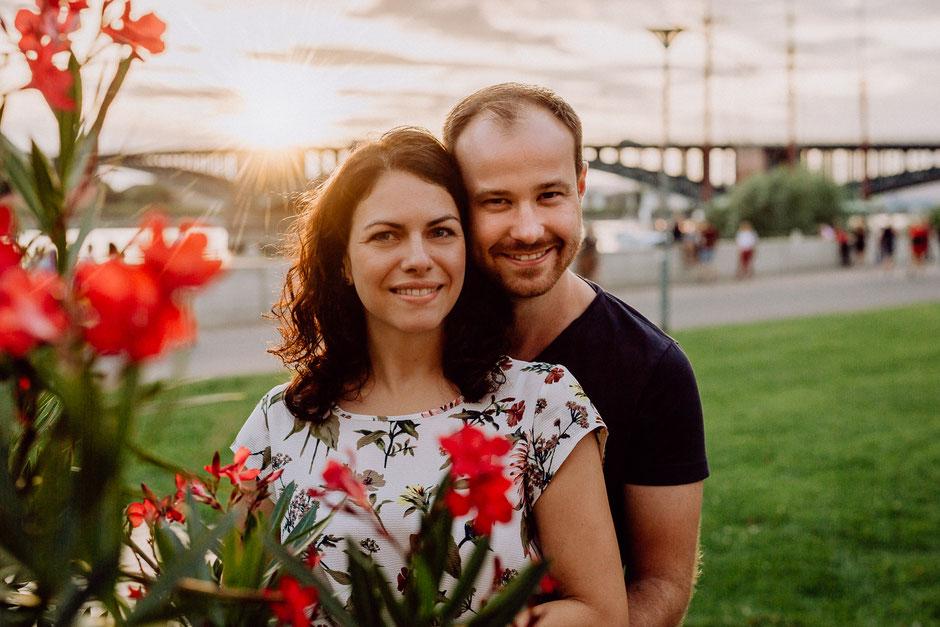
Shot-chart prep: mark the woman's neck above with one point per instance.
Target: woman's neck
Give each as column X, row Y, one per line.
column 407, row 376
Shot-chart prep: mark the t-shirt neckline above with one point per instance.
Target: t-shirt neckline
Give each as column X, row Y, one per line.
column 414, row 417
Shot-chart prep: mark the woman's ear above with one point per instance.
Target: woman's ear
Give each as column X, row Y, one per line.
column 347, row 275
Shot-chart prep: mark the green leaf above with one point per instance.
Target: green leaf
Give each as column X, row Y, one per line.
column 69, row 120
column 185, row 566
column 304, row 526
column 366, row 599
column 89, row 217
column 297, row 569
column 452, row 566
column 110, row 94
column 464, row 587
column 280, row 508
column 501, row 609
column 47, row 187
column 338, row 576
column 19, row 175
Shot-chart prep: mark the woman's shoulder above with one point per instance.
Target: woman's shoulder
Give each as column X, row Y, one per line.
column 532, row 374
column 273, row 401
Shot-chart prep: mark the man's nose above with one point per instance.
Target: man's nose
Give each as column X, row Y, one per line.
column 416, row 255
column 527, row 225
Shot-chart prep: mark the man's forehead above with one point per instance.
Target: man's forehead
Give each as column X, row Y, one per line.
column 489, row 134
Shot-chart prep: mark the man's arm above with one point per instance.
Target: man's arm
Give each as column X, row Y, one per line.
column 662, row 531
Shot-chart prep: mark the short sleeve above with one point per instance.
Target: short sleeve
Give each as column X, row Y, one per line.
column 670, row 427
column 255, row 433
column 562, row 416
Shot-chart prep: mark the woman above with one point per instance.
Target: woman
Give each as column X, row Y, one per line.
column 395, row 341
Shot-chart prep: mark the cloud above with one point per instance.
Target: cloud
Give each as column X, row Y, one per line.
column 326, row 56
column 455, row 18
column 217, row 94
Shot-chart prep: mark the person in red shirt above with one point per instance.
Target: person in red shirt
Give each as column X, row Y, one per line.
column 919, row 233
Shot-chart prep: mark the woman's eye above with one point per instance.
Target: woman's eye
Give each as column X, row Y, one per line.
column 382, row 236
column 442, row 231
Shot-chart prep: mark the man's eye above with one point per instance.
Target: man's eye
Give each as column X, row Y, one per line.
column 550, row 195
column 495, row 202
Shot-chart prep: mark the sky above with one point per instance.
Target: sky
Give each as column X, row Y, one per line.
column 325, row 72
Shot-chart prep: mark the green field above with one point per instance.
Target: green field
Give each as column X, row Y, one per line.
column 824, row 442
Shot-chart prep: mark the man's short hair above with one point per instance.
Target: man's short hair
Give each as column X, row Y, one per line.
column 506, row 102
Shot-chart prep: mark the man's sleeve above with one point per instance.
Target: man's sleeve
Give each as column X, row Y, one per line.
column 667, row 444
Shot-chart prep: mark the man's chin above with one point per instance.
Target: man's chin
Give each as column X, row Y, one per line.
column 527, row 287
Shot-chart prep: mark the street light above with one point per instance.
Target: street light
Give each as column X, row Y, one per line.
column 665, row 37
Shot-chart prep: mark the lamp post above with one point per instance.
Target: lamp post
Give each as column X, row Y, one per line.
column 665, row 37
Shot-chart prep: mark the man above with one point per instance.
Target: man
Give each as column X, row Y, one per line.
column 519, row 148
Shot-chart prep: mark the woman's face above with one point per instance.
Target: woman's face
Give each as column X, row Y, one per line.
column 406, row 255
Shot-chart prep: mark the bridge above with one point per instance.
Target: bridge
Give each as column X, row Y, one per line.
column 246, row 175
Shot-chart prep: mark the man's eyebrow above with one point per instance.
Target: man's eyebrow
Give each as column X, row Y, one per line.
column 490, row 193
column 551, row 184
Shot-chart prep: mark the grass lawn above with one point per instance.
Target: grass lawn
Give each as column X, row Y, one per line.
column 824, row 442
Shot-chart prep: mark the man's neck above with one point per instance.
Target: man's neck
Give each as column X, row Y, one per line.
column 540, row 319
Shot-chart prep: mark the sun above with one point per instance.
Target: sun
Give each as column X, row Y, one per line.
column 277, row 108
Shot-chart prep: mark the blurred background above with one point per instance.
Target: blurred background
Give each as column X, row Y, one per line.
column 816, row 123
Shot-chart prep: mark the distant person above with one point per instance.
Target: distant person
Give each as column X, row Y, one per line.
column 845, row 248
column 746, row 240
column 919, row 234
column 706, row 252
column 886, row 248
column 860, row 234
column 587, row 257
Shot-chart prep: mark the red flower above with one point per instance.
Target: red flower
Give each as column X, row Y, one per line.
column 235, row 471
column 554, row 375
column 50, row 27
column 487, row 495
column 9, row 251
column 472, row 452
column 131, row 315
column 30, row 309
column 137, row 513
column 514, row 413
column 184, row 264
column 53, row 83
column 135, row 593
column 296, row 600
column 142, row 33
column 340, row 478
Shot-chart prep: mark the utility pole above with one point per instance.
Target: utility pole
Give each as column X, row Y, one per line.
column 864, row 138
column 707, row 108
column 665, row 37
column 791, row 85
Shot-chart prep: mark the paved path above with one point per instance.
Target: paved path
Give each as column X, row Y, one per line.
column 242, row 350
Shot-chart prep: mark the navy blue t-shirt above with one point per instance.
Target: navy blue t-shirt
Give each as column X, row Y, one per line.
column 644, row 388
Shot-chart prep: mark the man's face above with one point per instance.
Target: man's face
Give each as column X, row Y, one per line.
column 525, row 199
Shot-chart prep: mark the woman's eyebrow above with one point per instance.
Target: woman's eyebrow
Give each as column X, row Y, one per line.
column 442, row 219
column 396, row 225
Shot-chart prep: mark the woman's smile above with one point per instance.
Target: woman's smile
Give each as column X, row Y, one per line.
column 406, row 254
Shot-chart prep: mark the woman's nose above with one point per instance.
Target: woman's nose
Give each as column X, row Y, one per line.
column 416, row 256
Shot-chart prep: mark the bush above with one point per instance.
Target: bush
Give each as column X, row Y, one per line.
column 780, row 200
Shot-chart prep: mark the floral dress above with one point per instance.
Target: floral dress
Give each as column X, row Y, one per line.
column 540, row 407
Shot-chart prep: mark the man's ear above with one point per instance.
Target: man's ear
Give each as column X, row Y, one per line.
column 582, row 180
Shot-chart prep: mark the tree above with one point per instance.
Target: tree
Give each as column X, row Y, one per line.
column 780, row 200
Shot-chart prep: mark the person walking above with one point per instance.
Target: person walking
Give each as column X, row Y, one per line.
column 746, row 240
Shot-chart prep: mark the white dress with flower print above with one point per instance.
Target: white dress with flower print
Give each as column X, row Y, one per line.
column 540, row 407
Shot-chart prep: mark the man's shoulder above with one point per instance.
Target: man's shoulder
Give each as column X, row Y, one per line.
column 611, row 325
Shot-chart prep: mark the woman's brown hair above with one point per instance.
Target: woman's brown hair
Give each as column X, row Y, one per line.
column 322, row 322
